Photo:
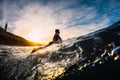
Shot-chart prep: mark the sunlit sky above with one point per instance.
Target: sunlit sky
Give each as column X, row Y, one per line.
column 36, row 20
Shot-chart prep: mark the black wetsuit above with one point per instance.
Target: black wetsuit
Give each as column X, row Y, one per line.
column 57, row 38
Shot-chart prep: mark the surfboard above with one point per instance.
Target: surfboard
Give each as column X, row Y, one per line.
column 39, row 48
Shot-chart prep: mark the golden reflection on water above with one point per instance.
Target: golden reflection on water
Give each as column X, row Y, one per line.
column 80, row 68
column 100, row 62
column 53, row 75
column 84, row 65
column 116, row 58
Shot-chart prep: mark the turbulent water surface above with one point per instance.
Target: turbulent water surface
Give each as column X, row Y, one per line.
column 47, row 64
column 44, row 64
column 18, row 63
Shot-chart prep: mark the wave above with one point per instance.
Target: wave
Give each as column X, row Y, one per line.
column 18, row 63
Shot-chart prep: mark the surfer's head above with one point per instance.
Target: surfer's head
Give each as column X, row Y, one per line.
column 57, row 31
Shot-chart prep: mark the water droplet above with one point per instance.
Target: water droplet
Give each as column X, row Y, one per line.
column 116, row 57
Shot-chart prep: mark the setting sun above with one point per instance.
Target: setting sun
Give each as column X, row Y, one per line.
column 34, row 39
column 37, row 36
column 34, row 36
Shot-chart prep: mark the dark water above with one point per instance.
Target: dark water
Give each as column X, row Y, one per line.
column 61, row 62
column 18, row 63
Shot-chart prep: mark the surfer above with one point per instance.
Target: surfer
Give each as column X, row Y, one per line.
column 6, row 25
column 56, row 39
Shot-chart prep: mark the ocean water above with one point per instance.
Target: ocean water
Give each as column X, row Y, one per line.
column 18, row 63
column 49, row 63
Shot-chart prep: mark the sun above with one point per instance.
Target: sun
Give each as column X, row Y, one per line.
column 39, row 39
column 34, row 37
column 38, row 36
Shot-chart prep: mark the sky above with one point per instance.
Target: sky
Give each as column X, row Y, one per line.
column 36, row 20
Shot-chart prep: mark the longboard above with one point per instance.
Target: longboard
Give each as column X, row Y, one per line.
column 36, row 49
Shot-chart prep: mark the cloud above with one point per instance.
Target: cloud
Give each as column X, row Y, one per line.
column 38, row 21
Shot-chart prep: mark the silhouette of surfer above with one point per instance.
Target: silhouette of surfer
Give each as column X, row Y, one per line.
column 6, row 25
column 56, row 39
